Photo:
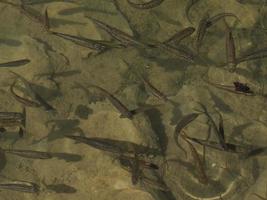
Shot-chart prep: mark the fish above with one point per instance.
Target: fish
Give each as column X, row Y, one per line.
column 24, row 101
column 179, row 53
column 220, row 135
column 230, row 48
column 232, row 148
column 29, row 153
column 21, row 186
column 118, row 35
column 148, row 5
column 181, row 125
column 15, row 63
column 36, row 96
column 115, row 146
column 179, row 36
column 202, row 177
column 205, row 22
column 61, row 188
column 35, row 2
column 126, row 161
column 98, row 45
column 201, row 30
column 125, row 112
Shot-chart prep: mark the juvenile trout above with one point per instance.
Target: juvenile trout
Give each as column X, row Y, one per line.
column 181, row 125
column 117, row 34
column 202, row 177
column 21, row 186
column 125, row 112
column 230, row 48
column 148, row 5
column 116, row 146
column 15, row 63
column 98, row 45
column 179, row 36
column 29, row 153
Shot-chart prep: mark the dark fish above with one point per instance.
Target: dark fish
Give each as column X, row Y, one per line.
column 36, row 96
column 188, row 7
column 232, row 148
column 125, row 112
column 21, row 186
column 201, row 30
column 68, row 157
column 15, row 63
column 98, row 45
column 230, row 48
column 220, row 135
column 117, row 34
column 179, row 36
column 179, row 53
column 46, row 20
column 136, row 171
column 116, row 146
column 258, row 54
column 29, row 153
column 34, row 2
column 148, row 5
column 126, row 161
column 215, row 18
column 202, row 177
column 2, row 160
column 24, row 101
column 207, row 22
column 254, row 152
column 61, row 188
column 181, row 125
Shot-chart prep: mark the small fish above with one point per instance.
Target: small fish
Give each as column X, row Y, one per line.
column 15, row 63
column 230, row 48
column 61, row 188
column 220, row 135
column 34, row 2
column 117, row 34
column 154, row 90
column 206, row 22
column 148, row 5
column 232, row 148
column 181, row 125
column 201, row 30
column 24, row 101
column 21, row 186
column 115, row 146
column 125, row 112
column 179, row 53
column 136, row 171
column 46, row 20
column 237, row 88
column 199, row 165
column 258, row 54
column 126, row 161
column 29, row 153
column 36, row 96
column 179, row 36
column 98, row 45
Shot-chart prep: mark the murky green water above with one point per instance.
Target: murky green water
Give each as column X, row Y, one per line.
column 156, row 77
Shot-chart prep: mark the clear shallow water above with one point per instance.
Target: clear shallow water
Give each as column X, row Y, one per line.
column 61, row 71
